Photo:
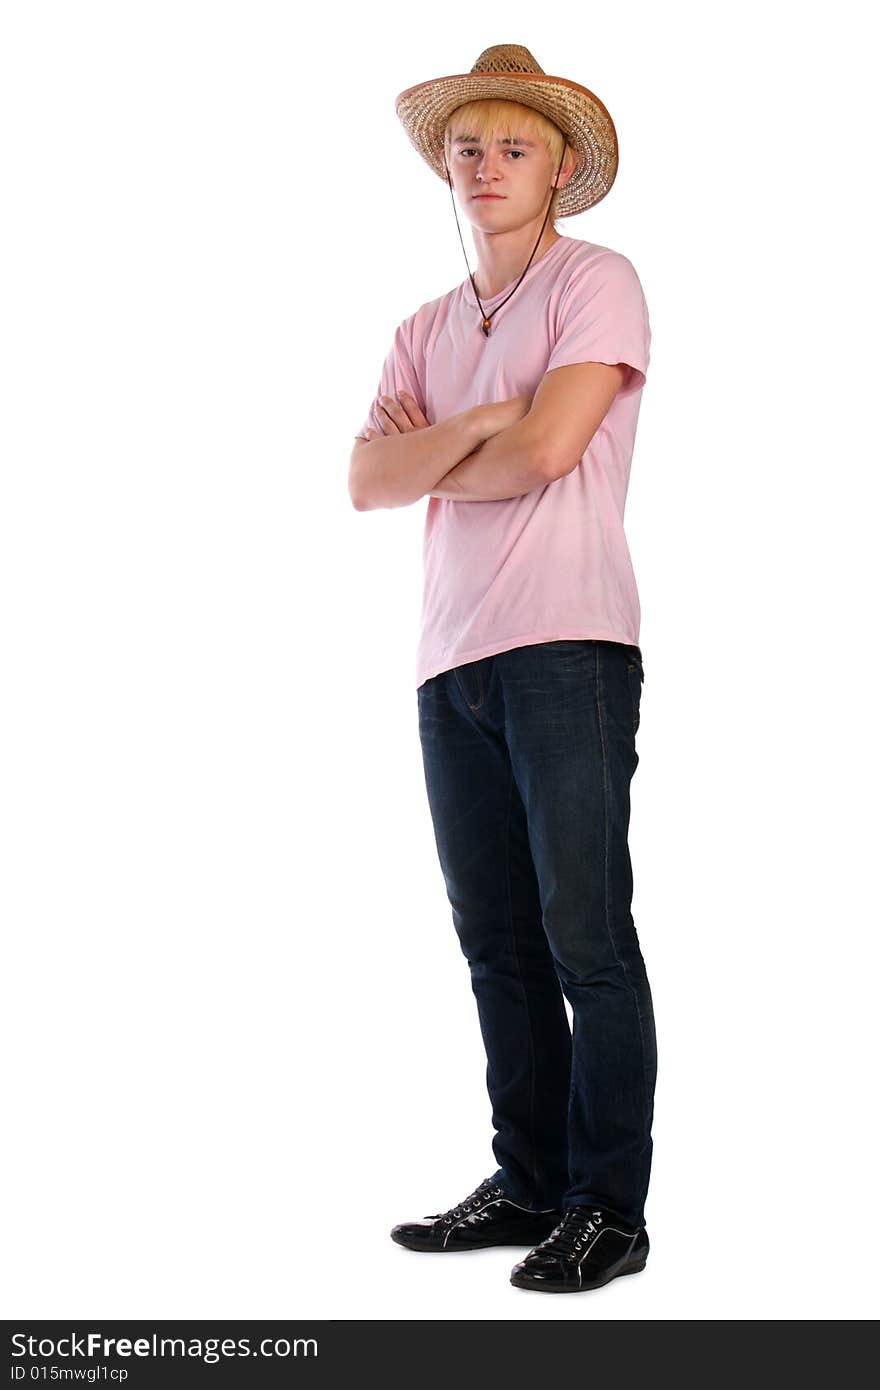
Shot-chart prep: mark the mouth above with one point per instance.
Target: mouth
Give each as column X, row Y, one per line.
column 487, row 196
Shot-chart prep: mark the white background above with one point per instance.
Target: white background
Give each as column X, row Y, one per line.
column 239, row 1037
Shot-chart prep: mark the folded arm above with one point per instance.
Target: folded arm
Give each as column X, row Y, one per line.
column 567, row 409
column 509, row 464
column 396, row 469
column 489, row 452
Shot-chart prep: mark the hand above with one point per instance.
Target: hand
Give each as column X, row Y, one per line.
column 399, row 416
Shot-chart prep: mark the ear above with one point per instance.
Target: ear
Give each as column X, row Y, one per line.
column 569, row 164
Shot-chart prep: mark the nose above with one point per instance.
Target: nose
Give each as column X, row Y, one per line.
column 487, row 167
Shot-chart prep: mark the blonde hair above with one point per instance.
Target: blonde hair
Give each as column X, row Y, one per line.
column 489, row 116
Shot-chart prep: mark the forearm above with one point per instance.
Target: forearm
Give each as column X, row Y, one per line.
column 394, row 470
column 507, row 465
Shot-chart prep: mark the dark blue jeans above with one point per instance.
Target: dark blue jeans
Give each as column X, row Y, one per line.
column 528, row 759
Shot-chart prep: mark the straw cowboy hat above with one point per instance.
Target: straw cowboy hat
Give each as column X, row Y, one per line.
column 508, row 72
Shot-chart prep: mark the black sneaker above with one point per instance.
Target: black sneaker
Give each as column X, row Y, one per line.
column 487, row 1217
column 587, row 1249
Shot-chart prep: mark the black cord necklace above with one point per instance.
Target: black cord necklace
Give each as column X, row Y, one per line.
column 487, row 318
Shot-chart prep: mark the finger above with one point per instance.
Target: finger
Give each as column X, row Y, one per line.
column 413, row 410
column 398, row 421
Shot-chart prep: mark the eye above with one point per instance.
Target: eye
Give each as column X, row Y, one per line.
column 519, row 153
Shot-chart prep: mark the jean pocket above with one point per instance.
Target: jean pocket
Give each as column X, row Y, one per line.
column 635, row 676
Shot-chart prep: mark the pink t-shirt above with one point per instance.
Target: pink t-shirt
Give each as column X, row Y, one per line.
column 555, row 562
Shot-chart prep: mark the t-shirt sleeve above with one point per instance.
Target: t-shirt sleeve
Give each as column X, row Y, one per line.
column 603, row 317
column 399, row 373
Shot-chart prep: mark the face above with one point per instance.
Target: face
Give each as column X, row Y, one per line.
column 518, row 171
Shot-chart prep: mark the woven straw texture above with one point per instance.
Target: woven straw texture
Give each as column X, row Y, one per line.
column 509, row 72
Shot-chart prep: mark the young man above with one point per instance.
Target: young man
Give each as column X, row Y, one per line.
column 512, row 402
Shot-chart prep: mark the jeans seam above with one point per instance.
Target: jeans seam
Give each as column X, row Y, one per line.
column 608, row 879
column 534, row 1148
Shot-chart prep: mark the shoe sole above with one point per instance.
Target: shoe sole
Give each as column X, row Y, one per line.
column 429, row 1248
column 522, row 1282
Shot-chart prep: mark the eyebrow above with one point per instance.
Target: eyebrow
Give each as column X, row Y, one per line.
column 503, row 140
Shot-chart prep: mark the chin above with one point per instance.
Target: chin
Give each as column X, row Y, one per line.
column 493, row 212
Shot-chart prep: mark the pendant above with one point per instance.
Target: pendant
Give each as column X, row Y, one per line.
column 486, row 325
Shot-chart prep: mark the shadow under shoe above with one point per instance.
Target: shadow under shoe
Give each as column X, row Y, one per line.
column 487, row 1217
column 587, row 1249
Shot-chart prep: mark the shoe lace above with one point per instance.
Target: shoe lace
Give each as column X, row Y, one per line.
column 571, row 1235
column 476, row 1199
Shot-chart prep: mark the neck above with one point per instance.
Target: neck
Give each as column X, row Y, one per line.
column 502, row 256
